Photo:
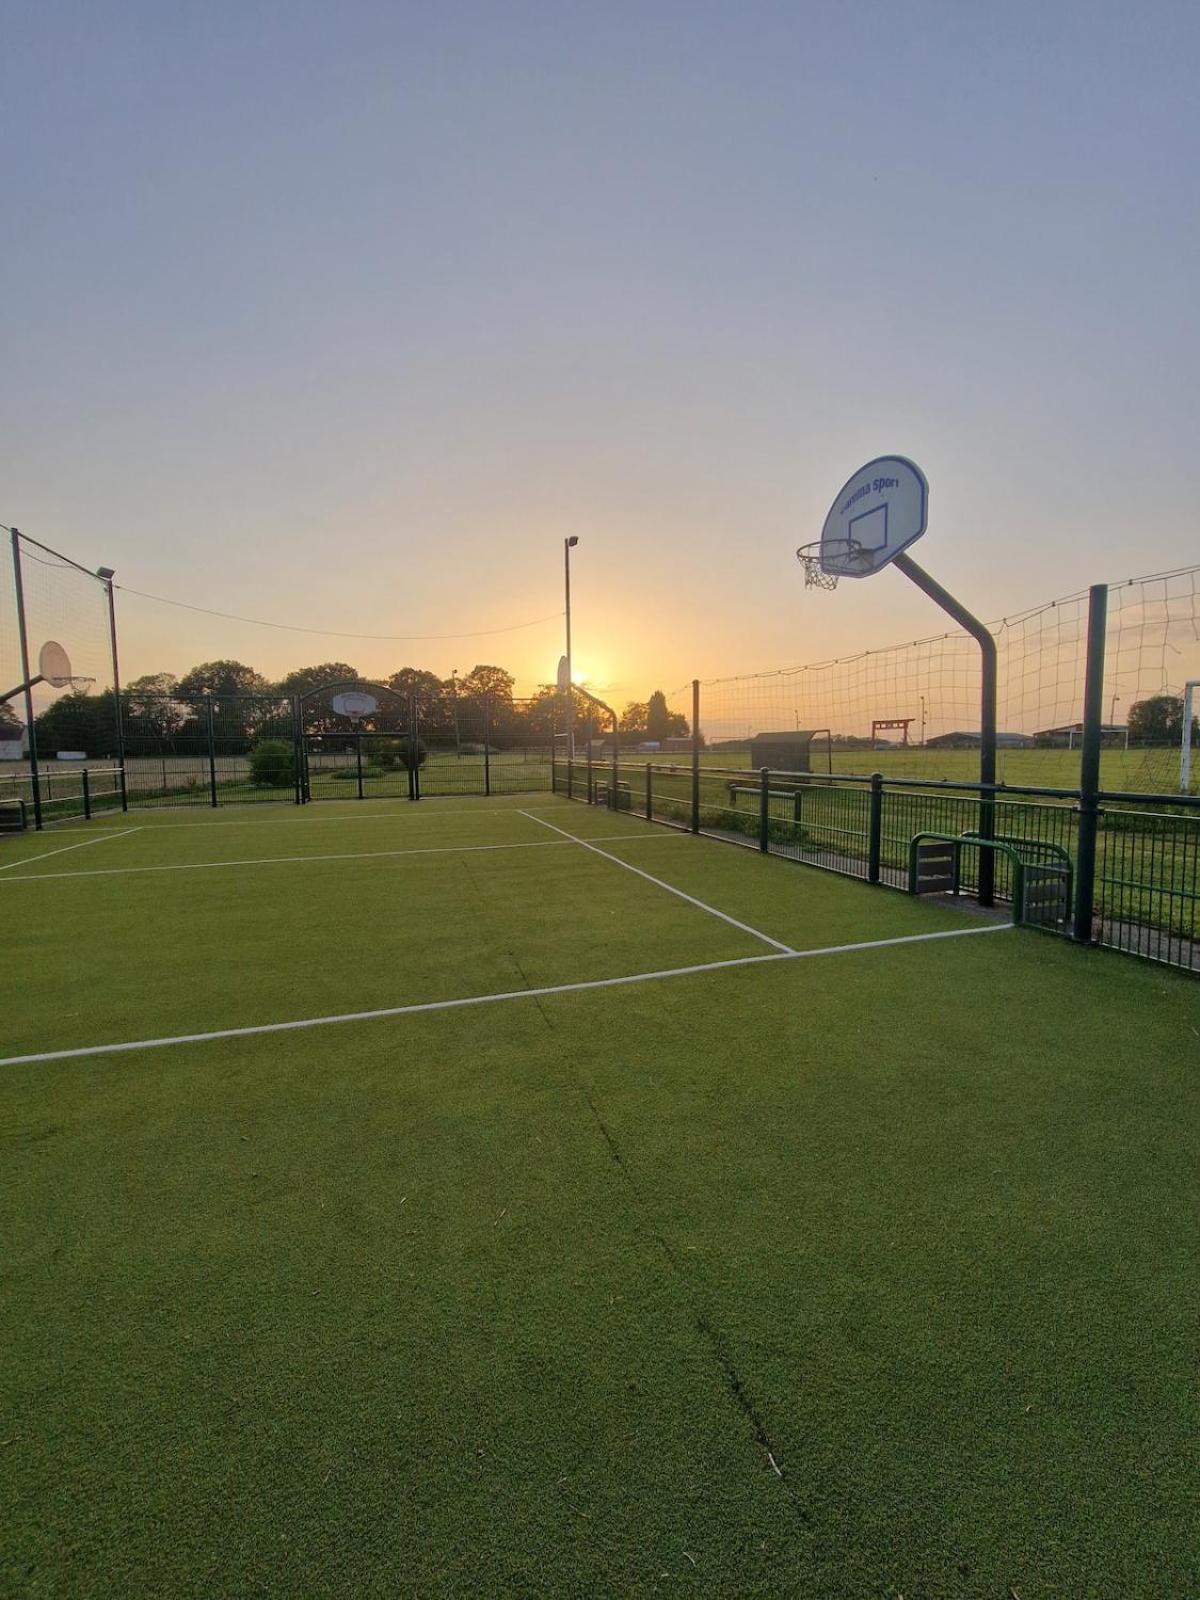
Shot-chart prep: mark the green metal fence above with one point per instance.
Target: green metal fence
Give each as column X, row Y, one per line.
column 1144, row 896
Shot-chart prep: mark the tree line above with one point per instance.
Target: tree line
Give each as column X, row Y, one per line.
column 232, row 706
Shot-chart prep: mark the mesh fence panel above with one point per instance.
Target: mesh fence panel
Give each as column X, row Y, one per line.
column 933, row 685
column 75, row 723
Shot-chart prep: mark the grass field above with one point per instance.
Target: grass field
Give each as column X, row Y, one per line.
column 1140, row 770
column 828, row 1265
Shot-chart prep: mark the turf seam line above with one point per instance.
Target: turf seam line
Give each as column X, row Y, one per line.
column 492, row 999
column 732, row 1379
column 269, row 861
column 660, row 883
column 97, row 838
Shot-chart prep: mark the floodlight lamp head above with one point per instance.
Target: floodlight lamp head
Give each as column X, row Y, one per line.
column 572, row 541
column 106, row 573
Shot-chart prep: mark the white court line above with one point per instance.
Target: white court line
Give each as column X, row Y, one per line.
column 669, row 887
column 273, row 861
column 97, row 838
column 492, row 999
column 403, row 808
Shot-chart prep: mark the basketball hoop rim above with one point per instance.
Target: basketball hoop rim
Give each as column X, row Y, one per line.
column 811, row 558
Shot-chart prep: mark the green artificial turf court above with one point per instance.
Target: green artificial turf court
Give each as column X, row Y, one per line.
column 826, row 1258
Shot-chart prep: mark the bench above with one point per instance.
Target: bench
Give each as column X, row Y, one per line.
column 1041, row 872
column 12, row 816
column 754, row 790
column 600, row 795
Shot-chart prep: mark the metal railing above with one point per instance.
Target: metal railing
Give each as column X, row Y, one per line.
column 1144, row 896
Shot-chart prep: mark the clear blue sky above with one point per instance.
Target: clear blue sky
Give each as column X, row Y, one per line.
column 345, row 314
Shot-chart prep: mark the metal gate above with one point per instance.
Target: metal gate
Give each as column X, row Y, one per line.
column 356, row 743
column 360, row 740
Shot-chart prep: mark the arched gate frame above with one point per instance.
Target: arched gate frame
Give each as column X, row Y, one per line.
column 409, row 747
column 345, row 757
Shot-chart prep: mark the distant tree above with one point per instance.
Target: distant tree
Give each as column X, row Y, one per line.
column 539, row 716
column 425, row 687
column 86, row 722
column 633, row 718
column 11, row 725
column 492, row 682
column 1158, row 720
column 223, row 678
column 305, row 679
column 151, row 706
column 661, row 722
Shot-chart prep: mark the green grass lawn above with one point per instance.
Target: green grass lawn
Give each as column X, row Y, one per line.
column 865, row 1274
column 1143, row 771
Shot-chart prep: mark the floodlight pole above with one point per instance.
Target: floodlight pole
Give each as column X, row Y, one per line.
column 987, row 711
column 569, row 545
column 23, row 636
column 106, row 575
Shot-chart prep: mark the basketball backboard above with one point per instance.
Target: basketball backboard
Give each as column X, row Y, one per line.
column 54, row 665
column 878, row 513
column 354, row 704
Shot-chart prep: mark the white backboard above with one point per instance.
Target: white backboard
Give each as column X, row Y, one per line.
column 564, row 675
column 54, row 664
column 354, row 704
column 878, row 513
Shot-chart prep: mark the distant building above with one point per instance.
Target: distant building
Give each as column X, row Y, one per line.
column 971, row 741
column 1070, row 734
column 789, row 751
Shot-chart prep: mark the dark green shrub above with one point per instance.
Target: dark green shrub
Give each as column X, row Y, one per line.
column 273, row 764
column 410, row 752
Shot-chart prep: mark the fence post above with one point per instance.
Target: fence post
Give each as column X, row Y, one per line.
column 587, row 750
column 87, row 796
column 875, row 828
column 695, row 755
column 414, row 749
column 649, row 791
column 614, row 801
column 487, row 740
column 35, row 787
column 1089, row 765
column 358, row 762
column 212, row 751
column 764, row 809
column 297, row 753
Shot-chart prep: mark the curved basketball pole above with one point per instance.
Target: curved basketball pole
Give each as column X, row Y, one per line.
column 593, row 700
column 987, row 721
column 21, row 688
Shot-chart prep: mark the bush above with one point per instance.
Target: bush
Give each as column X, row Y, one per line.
column 397, row 752
column 273, row 764
column 412, row 752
